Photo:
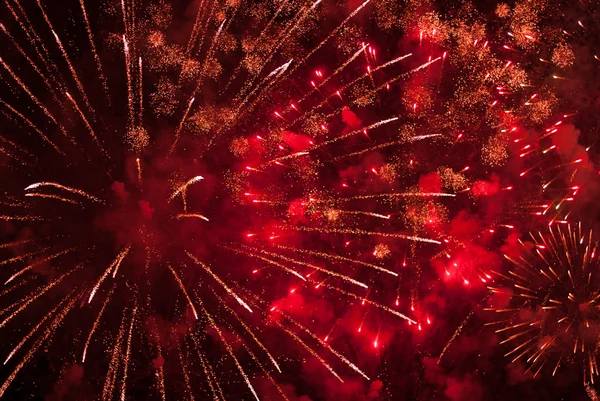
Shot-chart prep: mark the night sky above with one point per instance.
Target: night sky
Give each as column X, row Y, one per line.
column 330, row 200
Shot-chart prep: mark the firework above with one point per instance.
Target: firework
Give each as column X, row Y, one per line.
column 552, row 319
column 198, row 202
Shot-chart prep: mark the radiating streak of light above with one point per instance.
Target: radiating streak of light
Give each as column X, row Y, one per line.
column 328, row 347
column 310, row 350
column 23, row 256
column 41, row 322
column 186, row 376
column 332, row 34
column 127, row 354
column 355, row 132
column 15, row 243
column 337, row 258
column 207, row 372
column 21, row 218
column 362, row 232
column 265, row 371
column 269, row 261
column 184, row 291
column 94, row 51
column 368, row 301
column 71, row 68
column 385, row 145
column 65, row 188
column 178, row 132
column 109, row 382
column 38, row 262
column 218, row 280
column 35, row 295
column 184, row 186
column 36, row 346
column 230, row 351
column 50, row 196
column 32, row 126
column 85, row 120
column 454, row 336
column 95, row 326
column 321, row 269
column 191, row 215
column 249, row 331
column 33, row 97
column 115, row 264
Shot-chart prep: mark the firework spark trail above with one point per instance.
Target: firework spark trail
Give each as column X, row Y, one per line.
column 337, row 71
column 328, row 347
column 268, row 81
column 31, row 35
column 95, row 326
column 386, row 84
column 114, row 264
column 265, row 371
column 229, row 350
column 352, row 133
column 38, row 262
column 269, row 261
column 65, row 188
column 177, row 133
column 363, row 213
column 128, row 354
column 140, row 93
column 186, row 377
column 34, row 348
column 184, row 186
column 362, row 232
column 354, row 82
column 386, row 145
column 35, row 295
column 309, row 349
column 367, row 301
column 71, row 68
column 94, row 51
column 47, row 196
column 191, row 215
column 218, row 280
column 400, row 195
column 31, row 125
column 15, row 243
column 160, row 374
column 205, row 27
column 195, row 30
column 336, row 258
column 454, row 336
column 50, row 314
column 279, row 159
column 109, row 383
column 297, row 20
column 184, row 291
column 207, row 373
column 124, row 15
column 322, row 270
column 208, row 56
column 29, row 60
column 23, row 257
column 258, row 40
column 129, row 77
column 250, row 332
column 85, row 120
column 332, row 34
column 33, row 97
column 21, row 218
